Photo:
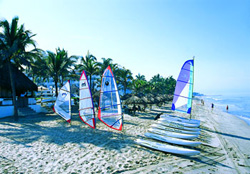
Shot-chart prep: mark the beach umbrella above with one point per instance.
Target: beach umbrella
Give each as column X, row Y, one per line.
column 133, row 100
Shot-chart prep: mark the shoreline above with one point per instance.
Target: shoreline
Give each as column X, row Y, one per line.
column 48, row 144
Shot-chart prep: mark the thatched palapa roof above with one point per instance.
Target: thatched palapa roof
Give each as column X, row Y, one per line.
column 22, row 82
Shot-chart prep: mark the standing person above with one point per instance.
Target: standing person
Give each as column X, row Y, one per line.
column 212, row 106
column 227, row 108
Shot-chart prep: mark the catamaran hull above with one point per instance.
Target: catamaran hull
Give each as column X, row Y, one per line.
column 167, row 148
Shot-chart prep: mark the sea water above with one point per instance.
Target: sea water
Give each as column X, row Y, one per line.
column 238, row 104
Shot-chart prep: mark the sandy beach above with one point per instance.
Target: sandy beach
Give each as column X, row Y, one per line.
column 45, row 143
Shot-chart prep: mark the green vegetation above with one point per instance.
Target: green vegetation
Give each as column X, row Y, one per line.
column 41, row 65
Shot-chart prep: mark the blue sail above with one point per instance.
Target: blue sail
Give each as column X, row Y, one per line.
column 184, row 88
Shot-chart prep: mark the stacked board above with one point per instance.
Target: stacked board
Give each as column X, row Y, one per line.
column 169, row 133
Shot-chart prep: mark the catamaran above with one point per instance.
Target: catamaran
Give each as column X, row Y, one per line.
column 110, row 112
column 86, row 106
column 62, row 105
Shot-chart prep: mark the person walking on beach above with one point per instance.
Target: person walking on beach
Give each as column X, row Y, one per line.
column 227, row 108
column 202, row 102
column 212, row 106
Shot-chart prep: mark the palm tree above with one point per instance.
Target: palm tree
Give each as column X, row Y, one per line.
column 36, row 67
column 124, row 77
column 140, row 77
column 13, row 43
column 90, row 66
column 106, row 62
column 57, row 64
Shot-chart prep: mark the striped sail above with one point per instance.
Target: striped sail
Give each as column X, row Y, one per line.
column 62, row 105
column 110, row 112
column 86, row 107
column 184, row 88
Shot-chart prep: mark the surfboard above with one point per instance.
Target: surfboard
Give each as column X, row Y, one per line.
column 167, row 148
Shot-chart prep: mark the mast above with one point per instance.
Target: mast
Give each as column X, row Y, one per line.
column 192, row 89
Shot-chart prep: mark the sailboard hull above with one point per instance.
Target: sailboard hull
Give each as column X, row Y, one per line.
column 167, row 148
column 172, row 134
column 177, row 126
column 179, row 123
column 172, row 140
column 182, row 119
column 161, row 126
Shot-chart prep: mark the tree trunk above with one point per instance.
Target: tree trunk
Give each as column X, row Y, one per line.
column 124, row 91
column 90, row 84
column 13, row 89
column 56, row 88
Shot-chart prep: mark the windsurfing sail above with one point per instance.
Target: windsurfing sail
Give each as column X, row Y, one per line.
column 63, row 105
column 182, row 100
column 86, row 106
column 110, row 112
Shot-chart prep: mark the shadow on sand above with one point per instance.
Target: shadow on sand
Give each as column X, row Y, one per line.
column 226, row 134
column 32, row 128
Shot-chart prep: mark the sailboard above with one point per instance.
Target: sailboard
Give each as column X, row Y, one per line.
column 161, row 126
column 172, row 140
column 183, row 93
column 182, row 119
column 172, row 134
column 62, row 105
column 177, row 126
column 167, row 148
column 179, row 123
column 110, row 112
column 86, row 106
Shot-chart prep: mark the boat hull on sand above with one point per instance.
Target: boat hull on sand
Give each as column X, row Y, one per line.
column 161, row 126
column 172, row 140
column 172, row 134
column 177, row 126
column 167, row 148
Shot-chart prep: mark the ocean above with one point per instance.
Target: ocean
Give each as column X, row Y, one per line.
column 239, row 104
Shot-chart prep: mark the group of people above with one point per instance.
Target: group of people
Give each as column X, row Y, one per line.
column 212, row 105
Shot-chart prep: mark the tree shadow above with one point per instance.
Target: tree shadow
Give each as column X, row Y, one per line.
column 226, row 134
column 30, row 129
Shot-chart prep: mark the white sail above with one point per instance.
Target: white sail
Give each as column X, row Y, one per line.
column 110, row 112
column 86, row 107
column 62, row 105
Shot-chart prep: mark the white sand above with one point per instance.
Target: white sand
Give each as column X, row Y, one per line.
column 48, row 144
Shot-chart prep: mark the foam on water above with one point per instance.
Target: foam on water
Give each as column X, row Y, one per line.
column 239, row 105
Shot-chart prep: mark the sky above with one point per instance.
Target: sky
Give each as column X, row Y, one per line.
column 148, row 36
